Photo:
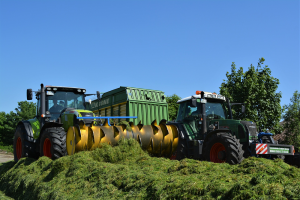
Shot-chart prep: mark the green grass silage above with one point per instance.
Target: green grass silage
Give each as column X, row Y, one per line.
column 127, row 172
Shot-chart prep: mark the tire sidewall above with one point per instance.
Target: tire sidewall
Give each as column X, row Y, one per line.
column 45, row 135
column 19, row 133
column 213, row 140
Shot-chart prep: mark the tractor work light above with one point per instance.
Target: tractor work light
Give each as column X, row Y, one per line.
column 54, row 89
column 48, row 88
column 214, row 95
column 83, row 90
column 79, row 90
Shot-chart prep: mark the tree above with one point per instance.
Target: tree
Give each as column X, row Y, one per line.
column 173, row 106
column 8, row 121
column 26, row 110
column 257, row 89
column 291, row 118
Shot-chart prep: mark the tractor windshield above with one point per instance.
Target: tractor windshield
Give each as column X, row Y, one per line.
column 57, row 101
column 215, row 110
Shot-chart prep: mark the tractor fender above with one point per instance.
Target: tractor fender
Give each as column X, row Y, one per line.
column 50, row 124
column 28, row 129
column 208, row 135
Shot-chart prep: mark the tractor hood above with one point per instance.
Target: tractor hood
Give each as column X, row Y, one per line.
column 243, row 130
column 69, row 117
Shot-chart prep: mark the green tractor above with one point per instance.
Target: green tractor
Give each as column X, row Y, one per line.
column 46, row 134
column 208, row 132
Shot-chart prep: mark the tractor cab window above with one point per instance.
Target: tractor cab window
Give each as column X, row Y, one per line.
column 180, row 114
column 190, row 116
column 56, row 102
column 186, row 112
column 215, row 110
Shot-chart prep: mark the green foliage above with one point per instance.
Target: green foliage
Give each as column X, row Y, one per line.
column 125, row 171
column 257, row 89
column 172, row 106
column 291, row 118
column 8, row 121
column 26, row 110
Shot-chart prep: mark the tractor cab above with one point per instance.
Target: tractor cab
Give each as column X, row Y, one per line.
column 196, row 110
column 59, row 98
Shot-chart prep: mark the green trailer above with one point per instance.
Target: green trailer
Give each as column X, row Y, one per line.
column 148, row 105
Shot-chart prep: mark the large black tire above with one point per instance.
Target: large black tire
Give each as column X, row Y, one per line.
column 223, row 147
column 53, row 143
column 22, row 146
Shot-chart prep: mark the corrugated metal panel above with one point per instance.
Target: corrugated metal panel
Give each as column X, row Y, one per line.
column 146, row 104
column 147, row 112
column 102, row 112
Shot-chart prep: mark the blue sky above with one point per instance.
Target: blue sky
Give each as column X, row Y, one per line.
column 174, row 46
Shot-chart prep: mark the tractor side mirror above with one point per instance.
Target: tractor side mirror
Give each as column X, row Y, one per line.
column 243, row 109
column 98, row 95
column 29, row 94
column 193, row 102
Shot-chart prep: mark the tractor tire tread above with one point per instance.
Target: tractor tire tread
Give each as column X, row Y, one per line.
column 58, row 140
column 235, row 156
column 29, row 147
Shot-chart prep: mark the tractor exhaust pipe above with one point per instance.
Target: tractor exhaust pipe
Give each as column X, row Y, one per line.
column 204, row 128
column 43, row 105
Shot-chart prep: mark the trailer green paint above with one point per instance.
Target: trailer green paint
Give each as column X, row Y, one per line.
column 148, row 105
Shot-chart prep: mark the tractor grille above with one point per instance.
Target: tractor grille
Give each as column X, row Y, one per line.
column 251, row 127
column 87, row 114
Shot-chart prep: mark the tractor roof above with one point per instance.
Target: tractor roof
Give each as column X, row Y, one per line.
column 207, row 95
column 62, row 88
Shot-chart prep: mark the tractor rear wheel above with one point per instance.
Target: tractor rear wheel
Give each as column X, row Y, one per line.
column 23, row 147
column 223, row 147
column 53, row 143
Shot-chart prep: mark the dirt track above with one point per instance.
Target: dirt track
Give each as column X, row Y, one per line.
column 5, row 156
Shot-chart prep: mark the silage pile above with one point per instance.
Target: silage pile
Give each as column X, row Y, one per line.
column 126, row 171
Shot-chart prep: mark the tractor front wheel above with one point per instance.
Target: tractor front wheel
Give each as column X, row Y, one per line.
column 223, row 147
column 53, row 143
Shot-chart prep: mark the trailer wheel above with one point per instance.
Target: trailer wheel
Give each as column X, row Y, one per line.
column 22, row 147
column 223, row 147
column 53, row 143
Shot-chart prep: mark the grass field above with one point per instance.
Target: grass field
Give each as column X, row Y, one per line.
column 127, row 172
column 8, row 148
